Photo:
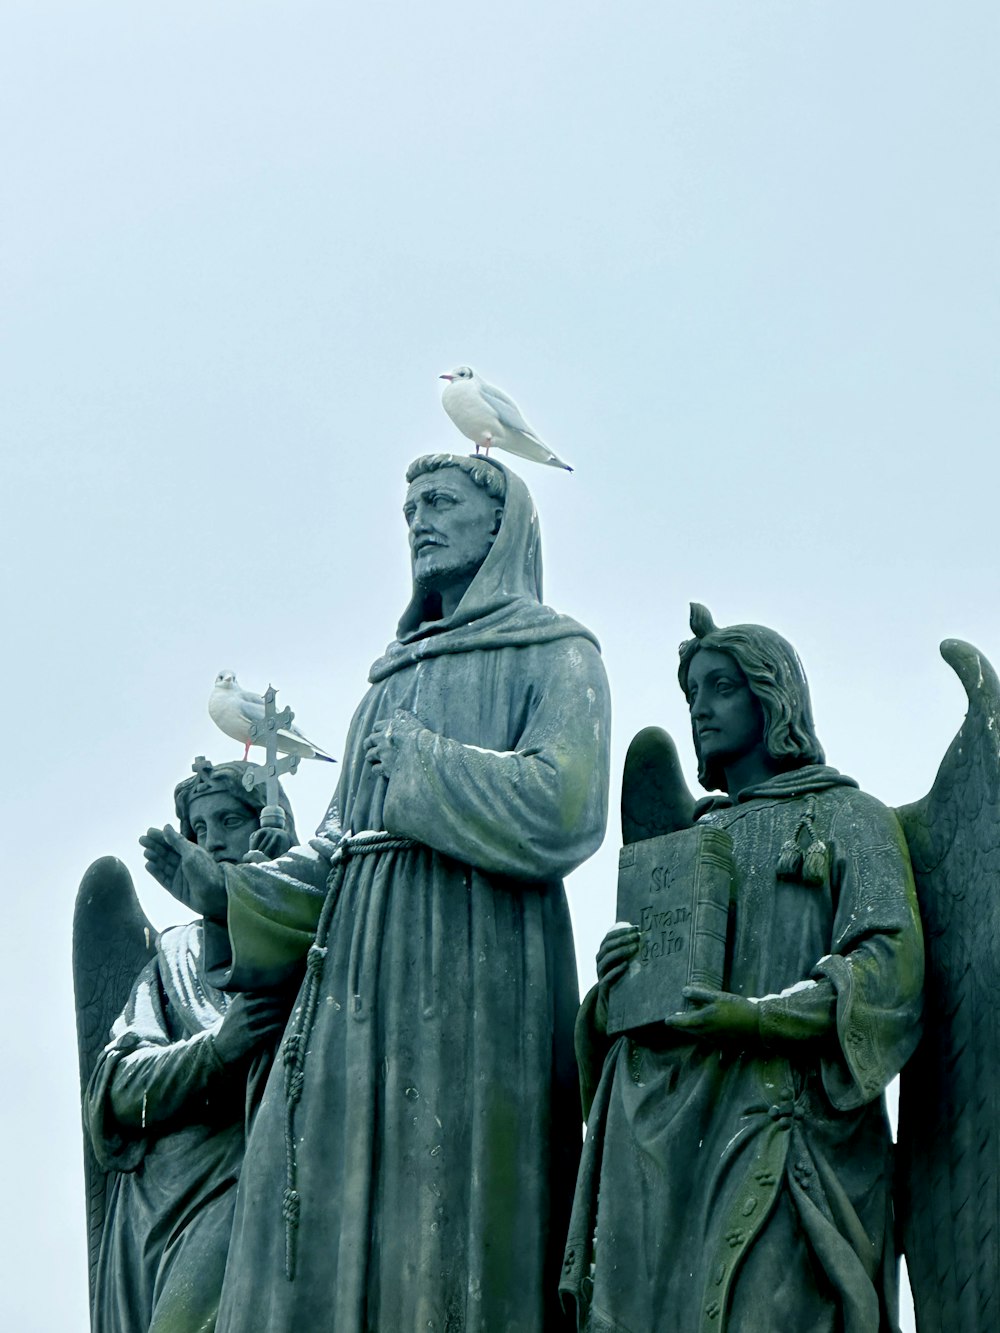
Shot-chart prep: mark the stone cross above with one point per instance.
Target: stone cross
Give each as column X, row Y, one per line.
column 266, row 775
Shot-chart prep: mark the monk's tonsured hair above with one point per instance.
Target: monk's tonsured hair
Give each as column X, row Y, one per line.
column 775, row 676
column 481, row 470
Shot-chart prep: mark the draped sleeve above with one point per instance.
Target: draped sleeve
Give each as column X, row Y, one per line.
column 147, row 1078
column 876, row 965
column 534, row 812
column 273, row 909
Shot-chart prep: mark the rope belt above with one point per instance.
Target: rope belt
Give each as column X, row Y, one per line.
column 293, row 1047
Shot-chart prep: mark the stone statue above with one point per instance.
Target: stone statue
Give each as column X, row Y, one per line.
column 411, row 1165
column 737, row 1170
column 167, row 1098
column 948, row 1142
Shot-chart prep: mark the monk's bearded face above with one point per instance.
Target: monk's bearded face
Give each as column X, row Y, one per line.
column 452, row 525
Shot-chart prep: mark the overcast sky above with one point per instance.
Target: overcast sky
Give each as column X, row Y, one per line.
column 736, row 261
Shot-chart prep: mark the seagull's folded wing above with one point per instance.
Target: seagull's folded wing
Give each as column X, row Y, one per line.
column 508, row 411
column 251, row 705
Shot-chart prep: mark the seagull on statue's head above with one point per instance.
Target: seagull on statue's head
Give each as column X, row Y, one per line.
column 234, row 709
column 490, row 419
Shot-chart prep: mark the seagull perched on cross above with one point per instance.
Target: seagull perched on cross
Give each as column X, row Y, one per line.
column 234, row 710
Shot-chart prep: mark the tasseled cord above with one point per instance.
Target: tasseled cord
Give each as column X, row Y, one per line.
column 811, row 866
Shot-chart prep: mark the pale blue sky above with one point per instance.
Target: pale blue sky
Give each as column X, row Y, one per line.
column 737, row 262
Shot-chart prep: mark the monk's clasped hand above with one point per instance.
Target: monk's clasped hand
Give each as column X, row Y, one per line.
column 382, row 745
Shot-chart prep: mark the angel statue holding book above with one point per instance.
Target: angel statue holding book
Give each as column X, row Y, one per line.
column 738, row 1173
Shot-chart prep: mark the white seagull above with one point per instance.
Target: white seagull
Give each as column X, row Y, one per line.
column 490, row 419
column 233, row 710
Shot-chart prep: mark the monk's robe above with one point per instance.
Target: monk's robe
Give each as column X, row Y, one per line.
column 412, row 1163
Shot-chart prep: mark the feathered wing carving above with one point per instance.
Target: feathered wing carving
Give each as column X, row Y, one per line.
column 112, row 942
column 655, row 797
column 949, row 1122
column 655, row 800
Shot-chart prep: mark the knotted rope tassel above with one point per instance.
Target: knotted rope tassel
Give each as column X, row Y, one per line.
column 811, row 866
column 296, row 1041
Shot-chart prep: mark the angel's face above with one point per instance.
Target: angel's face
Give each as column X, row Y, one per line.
column 222, row 825
column 727, row 720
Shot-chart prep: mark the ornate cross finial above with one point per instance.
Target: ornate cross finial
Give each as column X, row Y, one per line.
column 266, row 775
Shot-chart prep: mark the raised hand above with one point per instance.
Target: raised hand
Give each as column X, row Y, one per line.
column 251, row 1021
column 186, row 871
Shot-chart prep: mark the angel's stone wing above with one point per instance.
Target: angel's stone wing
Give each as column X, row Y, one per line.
column 655, row 797
column 949, row 1123
column 112, row 942
column 655, row 800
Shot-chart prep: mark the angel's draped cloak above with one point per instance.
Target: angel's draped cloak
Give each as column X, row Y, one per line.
column 750, row 1193
column 423, row 1179
column 167, row 1116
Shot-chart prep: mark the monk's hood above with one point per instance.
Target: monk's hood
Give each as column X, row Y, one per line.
column 502, row 607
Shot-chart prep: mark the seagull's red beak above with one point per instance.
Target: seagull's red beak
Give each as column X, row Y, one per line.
column 446, row 377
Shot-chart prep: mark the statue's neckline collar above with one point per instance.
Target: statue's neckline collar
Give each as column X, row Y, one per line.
column 795, row 782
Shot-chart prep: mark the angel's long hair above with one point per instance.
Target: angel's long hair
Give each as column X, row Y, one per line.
column 776, row 679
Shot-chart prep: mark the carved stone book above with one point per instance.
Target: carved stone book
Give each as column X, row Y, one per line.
column 676, row 889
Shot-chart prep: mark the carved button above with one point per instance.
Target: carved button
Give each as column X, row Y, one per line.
column 749, row 1204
